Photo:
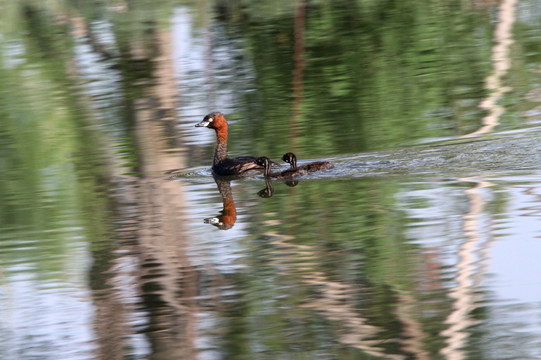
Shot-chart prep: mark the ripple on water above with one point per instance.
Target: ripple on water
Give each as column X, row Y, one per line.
column 514, row 151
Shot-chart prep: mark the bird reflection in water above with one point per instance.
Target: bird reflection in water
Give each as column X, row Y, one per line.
column 268, row 191
column 228, row 216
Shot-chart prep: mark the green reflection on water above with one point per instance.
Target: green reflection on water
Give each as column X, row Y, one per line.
column 49, row 187
column 376, row 75
column 330, row 260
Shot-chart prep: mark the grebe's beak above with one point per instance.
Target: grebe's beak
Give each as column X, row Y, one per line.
column 204, row 123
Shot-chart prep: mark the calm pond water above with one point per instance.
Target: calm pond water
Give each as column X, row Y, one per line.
column 116, row 241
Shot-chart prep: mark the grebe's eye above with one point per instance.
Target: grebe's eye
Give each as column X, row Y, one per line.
column 211, row 119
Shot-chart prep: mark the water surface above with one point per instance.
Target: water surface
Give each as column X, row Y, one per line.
column 421, row 243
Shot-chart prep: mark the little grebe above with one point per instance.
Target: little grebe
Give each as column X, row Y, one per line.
column 222, row 165
column 311, row 167
column 286, row 174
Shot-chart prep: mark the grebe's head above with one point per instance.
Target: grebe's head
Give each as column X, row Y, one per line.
column 266, row 163
column 214, row 120
column 262, row 161
column 291, row 159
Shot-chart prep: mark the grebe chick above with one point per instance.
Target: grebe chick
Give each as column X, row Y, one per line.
column 286, row 174
column 222, row 165
column 311, row 167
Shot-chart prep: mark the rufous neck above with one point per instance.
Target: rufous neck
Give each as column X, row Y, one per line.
column 221, row 152
column 221, row 132
column 221, row 147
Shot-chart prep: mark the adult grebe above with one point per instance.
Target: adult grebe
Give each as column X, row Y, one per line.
column 222, row 165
